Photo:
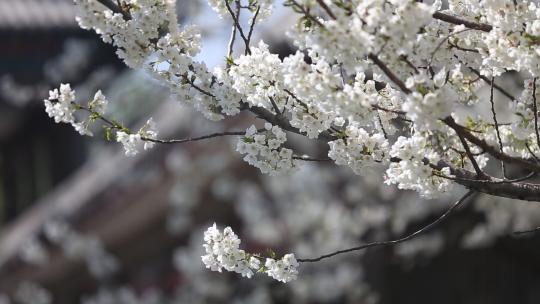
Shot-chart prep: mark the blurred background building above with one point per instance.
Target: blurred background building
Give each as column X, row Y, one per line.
column 41, row 46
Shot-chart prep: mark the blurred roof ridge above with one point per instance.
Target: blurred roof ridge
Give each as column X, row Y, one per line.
column 36, row 14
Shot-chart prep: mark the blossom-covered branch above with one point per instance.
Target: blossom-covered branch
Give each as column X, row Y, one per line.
column 388, row 84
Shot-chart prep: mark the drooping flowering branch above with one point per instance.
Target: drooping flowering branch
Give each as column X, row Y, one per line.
column 408, row 237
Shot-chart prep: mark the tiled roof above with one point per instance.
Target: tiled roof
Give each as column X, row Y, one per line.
column 36, row 14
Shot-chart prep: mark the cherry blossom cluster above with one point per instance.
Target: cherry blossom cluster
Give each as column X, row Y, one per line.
column 359, row 150
column 520, row 136
column 265, row 150
column 61, row 106
column 413, row 171
column 512, row 44
column 222, row 252
column 133, row 143
column 363, row 27
column 138, row 36
column 134, row 37
column 256, row 76
column 429, row 101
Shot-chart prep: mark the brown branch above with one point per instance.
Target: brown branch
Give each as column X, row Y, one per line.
column 275, row 106
column 397, row 241
column 238, row 26
column 465, row 145
column 408, row 63
column 282, row 122
column 535, row 108
column 311, row 159
column 525, row 163
column 115, row 8
column 489, row 180
column 457, row 47
column 440, row 44
column 496, row 86
column 189, row 139
column 491, row 185
column 326, row 9
column 252, row 25
column 389, row 73
column 230, row 48
column 458, row 21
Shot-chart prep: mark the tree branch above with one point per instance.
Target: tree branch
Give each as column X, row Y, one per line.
column 283, row 123
column 535, row 109
column 496, row 86
column 389, row 73
column 238, row 26
column 397, row 241
column 458, row 21
column 490, row 149
column 477, row 169
column 310, row 159
column 494, row 114
column 520, row 233
column 115, row 8
column 230, row 47
column 252, row 25
column 326, row 9
column 189, row 139
column 493, row 186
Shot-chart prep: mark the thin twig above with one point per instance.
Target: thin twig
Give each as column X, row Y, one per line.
column 397, row 241
column 398, row 112
column 465, row 145
column 189, row 139
column 252, row 25
column 237, row 23
column 441, row 43
column 535, row 113
column 519, row 233
column 460, row 48
column 382, row 126
column 115, row 125
column 496, row 86
column 233, row 34
column 311, row 159
column 494, row 114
